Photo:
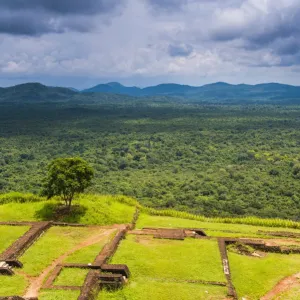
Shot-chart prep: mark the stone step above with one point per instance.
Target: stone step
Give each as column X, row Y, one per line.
column 3, row 264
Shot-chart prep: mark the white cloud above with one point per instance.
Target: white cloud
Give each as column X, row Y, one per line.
column 202, row 41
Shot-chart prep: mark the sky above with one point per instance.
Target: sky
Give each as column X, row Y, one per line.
column 81, row 43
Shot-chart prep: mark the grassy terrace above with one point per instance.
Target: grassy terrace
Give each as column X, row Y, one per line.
column 212, row 229
column 71, row 277
column 254, row 277
column 77, row 245
column 9, row 234
column 14, row 285
column 58, row 295
column 88, row 209
column 36, row 259
column 141, row 290
column 161, row 268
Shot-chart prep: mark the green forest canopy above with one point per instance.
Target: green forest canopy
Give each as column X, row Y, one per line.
column 215, row 160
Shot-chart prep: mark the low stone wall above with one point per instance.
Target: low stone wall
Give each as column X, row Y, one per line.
column 110, row 249
column 116, row 269
column 91, row 286
column 49, row 282
column 172, row 234
column 280, row 233
column 135, row 218
column 261, row 245
column 25, row 241
column 92, row 283
column 17, row 224
column 226, row 268
column 13, row 298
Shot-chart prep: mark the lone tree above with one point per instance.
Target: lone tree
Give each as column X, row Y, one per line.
column 66, row 177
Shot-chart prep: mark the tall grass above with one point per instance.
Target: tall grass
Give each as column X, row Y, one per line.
column 15, row 197
column 244, row 220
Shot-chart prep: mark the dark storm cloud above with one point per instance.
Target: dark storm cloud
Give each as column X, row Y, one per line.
column 168, row 5
column 36, row 17
column 23, row 24
column 180, row 50
column 173, row 5
column 276, row 29
column 61, row 6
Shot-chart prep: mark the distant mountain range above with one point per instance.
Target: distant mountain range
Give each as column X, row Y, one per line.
column 219, row 90
column 215, row 92
column 34, row 92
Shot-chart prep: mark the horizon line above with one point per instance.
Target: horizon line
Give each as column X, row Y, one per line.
column 141, row 88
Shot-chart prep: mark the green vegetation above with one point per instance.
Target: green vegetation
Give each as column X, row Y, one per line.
column 88, row 254
column 253, row 277
column 8, row 235
column 12, row 285
column 58, row 295
column 170, row 222
column 90, row 209
column 164, row 259
column 107, row 210
column 57, row 241
column 244, row 220
column 71, row 277
column 160, row 269
column 212, row 160
column 67, row 177
column 141, row 290
column 15, row 197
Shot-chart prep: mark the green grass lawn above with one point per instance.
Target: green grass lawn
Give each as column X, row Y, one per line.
column 58, row 295
column 145, row 290
column 159, row 269
column 91, row 209
column 12, row 285
column 71, row 277
column 88, row 254
column 169, row 259
column 169, row 222
column 55, row 242
column 254, row 277
column 9, row 234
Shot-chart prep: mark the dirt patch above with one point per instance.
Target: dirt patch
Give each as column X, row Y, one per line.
column 144, row 240
column 37, row 282
column 280, row 233
column 282, row 242
column 283, row 286
column 243, row 249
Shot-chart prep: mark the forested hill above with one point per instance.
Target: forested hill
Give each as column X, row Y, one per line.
column 34, row 92
column 219, row 90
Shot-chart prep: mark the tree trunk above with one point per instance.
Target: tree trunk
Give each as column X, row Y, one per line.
column 69, row 204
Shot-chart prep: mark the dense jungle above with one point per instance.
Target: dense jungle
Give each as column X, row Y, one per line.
column 210, row 159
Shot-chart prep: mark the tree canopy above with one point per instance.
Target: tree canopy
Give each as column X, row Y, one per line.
column 208, row 159
column 66, row 177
